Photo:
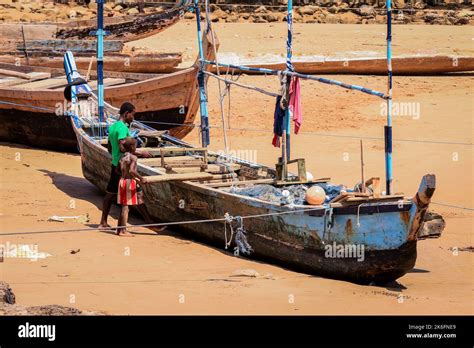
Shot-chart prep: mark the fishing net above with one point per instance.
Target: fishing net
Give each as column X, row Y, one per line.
column 295, row 193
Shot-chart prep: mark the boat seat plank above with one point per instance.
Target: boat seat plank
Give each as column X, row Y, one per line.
column 44, row 84
column 10, row 81
column 241, row 183
column 373, row 199
column 211, row 168
column 179, row 177
column 158, row 150
column 107, row 82
column 157, row 162
column 33, row 76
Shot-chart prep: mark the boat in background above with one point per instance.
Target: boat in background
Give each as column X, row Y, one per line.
column 409, row 65
column 32, row 102
column 126, row 28
column 147, row 62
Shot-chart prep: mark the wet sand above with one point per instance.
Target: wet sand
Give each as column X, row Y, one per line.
column 170, row 274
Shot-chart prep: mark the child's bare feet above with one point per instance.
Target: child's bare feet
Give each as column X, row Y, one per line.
column 124, row 233
column 104, row 227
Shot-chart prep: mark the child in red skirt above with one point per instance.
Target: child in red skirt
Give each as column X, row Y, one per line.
column 129, row 190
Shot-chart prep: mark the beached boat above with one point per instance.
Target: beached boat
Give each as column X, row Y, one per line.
column 356, row 235
column 361, row 235
column 410, row 65
column 126, row 28
column 147, row 62
column 188, row 184
column 32, row 102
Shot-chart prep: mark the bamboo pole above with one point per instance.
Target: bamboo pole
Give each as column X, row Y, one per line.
column 388, row 127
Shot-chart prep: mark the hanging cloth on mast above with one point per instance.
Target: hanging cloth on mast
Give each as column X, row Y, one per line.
column 295, row 103
column 282, row 102
column 290, row 98
column 279, row 117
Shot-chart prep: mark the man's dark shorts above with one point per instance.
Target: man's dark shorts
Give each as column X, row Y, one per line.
column 113, row 184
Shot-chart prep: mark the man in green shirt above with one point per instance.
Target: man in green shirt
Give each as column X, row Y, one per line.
column 117, row 134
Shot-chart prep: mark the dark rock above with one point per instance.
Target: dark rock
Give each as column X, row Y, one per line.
column 6, row 293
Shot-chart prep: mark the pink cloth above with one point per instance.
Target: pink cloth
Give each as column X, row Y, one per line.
column 295, row 103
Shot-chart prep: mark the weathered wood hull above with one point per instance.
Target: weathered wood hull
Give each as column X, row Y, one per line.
column 417, row 65
column 296, row 240
column 141, row 63
column 168, row 102
column 126, row 28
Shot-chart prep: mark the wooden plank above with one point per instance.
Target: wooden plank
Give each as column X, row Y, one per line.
column 6, row 62
column 373, row 199
column 157, row 162
column 218, row 177
column 375, row 183
column 300, row 182
column 174, row 149
column 32, row 31
column 343, row 196
column 10, row 81
column 179, row 177
column 211, row 168
column 14, row 74
column 242, row 182
column 68, row 45
column 413, row 65
column 13, row 81
column 107, row 82
column 45, row 84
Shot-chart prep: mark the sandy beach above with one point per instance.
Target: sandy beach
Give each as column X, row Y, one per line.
column 171, row 274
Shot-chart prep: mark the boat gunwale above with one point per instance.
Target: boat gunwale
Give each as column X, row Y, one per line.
column 204, row 189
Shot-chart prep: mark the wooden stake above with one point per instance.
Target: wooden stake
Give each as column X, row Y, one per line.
column 89, row 69
column 24, row 44
column 362, row 188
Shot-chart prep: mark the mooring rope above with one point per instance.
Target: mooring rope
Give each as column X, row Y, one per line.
column 162, row 224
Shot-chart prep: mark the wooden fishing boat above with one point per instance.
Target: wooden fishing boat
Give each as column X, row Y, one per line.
column 27, row 49
column 32, row 102
column 197, row 191
column 156, row 63
column 188, row 184
column 412, row 65
column 200, row 192
column 126, row 28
